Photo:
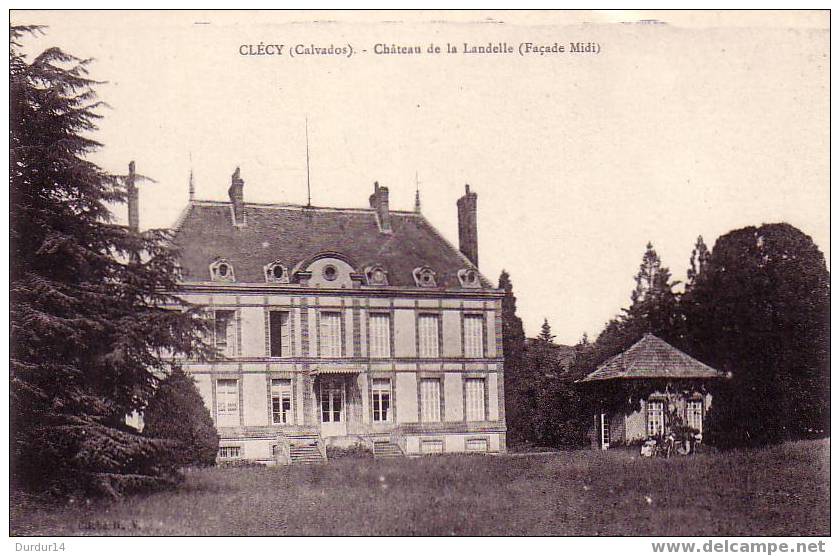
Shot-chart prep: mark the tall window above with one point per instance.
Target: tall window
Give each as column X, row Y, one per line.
column 279, row 334
column 381, row 400
column 473, row 335
column 474, row 388
column 330, row 334
column 224, row 336
column 281, row 402
column 694, row 414
column 655, row 419
column 429, row 399
column 428, row 331
column 380, row 335
column 605, row 431
column 332, row 401
column 227, row 402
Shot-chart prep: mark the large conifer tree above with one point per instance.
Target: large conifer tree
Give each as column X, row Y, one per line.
column 91, row 323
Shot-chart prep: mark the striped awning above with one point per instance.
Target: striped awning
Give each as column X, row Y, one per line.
column 334, row 371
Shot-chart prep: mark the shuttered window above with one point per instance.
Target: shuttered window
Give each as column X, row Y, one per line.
column 473, row 336
column 224, row 336
column 330, row 334
column 227, row 402
column 474, row 388
column 381, row 400
column 428, row 335
column 281, row 402
column 380, row 335
column 429, row 400
column 655, row 418
column 280, row 337
column 694, row 414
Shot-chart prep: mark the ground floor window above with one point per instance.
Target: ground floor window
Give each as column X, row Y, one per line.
column 281, row 401
column 227, row 402
column 605, row 430
column 655, row 418
column 429, row 399
column 230, row 452
column 694, row 414
column 381, row 400
column 332, row 401
column 474, row 388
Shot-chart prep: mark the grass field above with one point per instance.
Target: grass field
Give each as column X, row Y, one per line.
column 782, row 490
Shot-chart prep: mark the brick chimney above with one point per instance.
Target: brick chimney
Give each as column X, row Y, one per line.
column 237, row 200
column 379, row 203
column 133, row 199
column 468, row 225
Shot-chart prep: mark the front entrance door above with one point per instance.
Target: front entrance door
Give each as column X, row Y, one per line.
column 333, row 413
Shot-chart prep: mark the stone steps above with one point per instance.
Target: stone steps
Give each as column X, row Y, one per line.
column 386, row 449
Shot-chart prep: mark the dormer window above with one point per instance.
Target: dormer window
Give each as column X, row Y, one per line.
column 469, row 278
column 221, row 271
column 276, row 272
column 424, row 277
column 376, row 276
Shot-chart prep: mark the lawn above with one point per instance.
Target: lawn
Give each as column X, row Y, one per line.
column 781, row 490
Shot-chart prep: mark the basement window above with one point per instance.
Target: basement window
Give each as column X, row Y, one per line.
column 476, row 445
column 230, row 452
column 431, row 447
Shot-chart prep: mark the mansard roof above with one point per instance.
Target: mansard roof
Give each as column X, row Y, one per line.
column 652, row 357
column 294, row 234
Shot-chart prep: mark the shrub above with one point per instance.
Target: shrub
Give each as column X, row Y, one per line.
column 177, row 412
column 354, row 451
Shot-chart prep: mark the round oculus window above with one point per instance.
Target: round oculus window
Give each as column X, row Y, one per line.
column 378, row 276
column 277, row 272
column 470, row 277
column 330, row 272
column 223, row 269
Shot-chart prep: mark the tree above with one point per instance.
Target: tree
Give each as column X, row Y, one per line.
column 760, row 310
column 545, row 333
column 513, row 345
column 91, row 319
column 177, row 412
column 697, row 263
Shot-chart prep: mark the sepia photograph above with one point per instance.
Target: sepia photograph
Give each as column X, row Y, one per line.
column 471, row 273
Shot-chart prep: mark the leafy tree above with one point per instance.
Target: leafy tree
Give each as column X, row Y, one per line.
column 177, row 412
column 91, row 324
column 760, row 309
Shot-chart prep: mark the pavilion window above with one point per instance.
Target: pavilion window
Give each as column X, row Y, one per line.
column 694, row 414
column 655, row 418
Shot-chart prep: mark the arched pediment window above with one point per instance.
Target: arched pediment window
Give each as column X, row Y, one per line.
column 376, row 275
column 276, row 272
column 425, row 277
column 468, row 277
column 221, row 271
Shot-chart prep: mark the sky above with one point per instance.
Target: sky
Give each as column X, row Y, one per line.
column 698, row 125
